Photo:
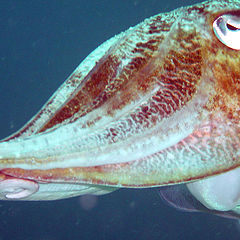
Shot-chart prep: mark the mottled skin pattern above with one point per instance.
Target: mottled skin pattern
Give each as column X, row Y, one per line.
column 167, row 78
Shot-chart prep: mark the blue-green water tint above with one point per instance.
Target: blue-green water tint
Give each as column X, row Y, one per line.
column 41, row 42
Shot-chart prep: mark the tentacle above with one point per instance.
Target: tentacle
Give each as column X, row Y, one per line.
column 221, row 192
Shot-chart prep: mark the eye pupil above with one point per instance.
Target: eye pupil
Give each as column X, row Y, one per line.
column 231, row 27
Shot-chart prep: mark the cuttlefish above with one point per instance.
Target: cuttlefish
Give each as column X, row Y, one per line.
column 156, row 105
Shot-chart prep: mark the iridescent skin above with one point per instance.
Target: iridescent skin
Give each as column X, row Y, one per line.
column 156, row 105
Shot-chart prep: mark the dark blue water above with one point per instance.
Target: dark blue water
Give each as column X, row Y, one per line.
column 41, row 42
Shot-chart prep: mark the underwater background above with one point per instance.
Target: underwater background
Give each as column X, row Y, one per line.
column 41, row 43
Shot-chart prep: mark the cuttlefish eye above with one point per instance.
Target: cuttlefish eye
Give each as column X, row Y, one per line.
column 227, row 29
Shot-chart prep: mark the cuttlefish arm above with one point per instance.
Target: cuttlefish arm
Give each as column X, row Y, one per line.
column 153, row 106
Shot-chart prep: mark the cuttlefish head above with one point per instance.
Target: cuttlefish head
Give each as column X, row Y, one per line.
column 153, row 106
column 222, row 192
column 221, row 61
column 220, row 56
